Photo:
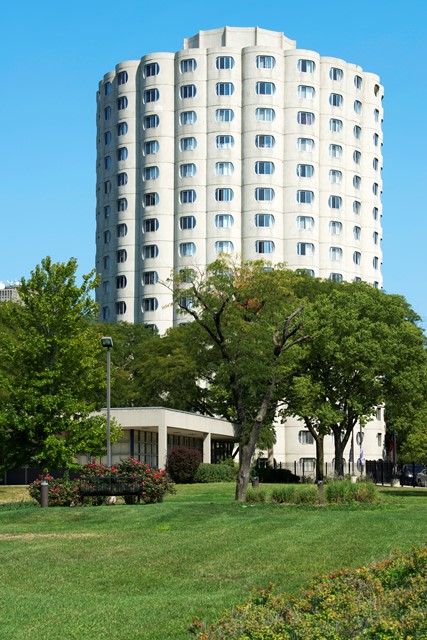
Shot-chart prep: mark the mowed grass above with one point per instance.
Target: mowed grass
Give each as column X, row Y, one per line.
column 125, row 572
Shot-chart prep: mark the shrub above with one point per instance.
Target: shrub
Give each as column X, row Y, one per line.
column 345, row 492
column 155, row 483
column 256, row 495
column 385, row 601
column 182, row 464
column 291, row 494
column 62, row 492
column 214, row 473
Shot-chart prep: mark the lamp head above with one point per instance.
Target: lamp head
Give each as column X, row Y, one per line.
column 107, row 342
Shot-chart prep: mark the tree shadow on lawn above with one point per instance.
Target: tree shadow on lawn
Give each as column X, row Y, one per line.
column 404, row 492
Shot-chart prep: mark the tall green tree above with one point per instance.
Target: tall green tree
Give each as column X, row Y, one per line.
column 361, row 342
column 249, row 315
column 53, row 375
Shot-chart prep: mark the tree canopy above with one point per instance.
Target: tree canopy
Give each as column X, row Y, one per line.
column 50, row 371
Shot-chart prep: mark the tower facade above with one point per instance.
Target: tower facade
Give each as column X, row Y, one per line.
column 239, row 143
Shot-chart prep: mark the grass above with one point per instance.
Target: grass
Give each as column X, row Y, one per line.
column 143, row 572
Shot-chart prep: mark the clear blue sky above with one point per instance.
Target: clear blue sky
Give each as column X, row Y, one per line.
column 54, row 53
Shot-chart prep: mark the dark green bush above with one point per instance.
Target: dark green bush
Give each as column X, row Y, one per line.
column 384, row 601
column 214, row 473
column 182, row 464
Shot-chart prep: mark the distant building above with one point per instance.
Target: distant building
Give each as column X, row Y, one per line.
column 9, row 292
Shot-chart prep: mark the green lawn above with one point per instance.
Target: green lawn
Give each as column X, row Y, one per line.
column 125, row 572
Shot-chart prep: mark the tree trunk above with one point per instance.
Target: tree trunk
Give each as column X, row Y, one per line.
column 339, row 446
column 243, row 473
column 319, row 458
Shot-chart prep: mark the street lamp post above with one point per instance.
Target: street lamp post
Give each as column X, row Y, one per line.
column 107, row 342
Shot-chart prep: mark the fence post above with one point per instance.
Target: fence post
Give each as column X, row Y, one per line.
column 44, row 493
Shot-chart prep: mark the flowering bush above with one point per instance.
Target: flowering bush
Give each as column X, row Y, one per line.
column 154, row 483
column 384, row 601
column 62, row 492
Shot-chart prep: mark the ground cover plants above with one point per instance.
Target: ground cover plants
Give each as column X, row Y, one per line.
column 127, row 572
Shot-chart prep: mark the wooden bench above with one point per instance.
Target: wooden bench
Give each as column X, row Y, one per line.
column 105, row 486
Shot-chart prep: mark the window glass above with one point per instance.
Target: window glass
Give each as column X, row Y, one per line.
column 107, row 137
column 264, row 194
column 122, row 153
column 264, row 114
column 305, row 144
column 107, row 186
column 336, row 277
column 120, row 308
column 107, row 88
column 149, row 304
column 305, row 222
column 122, row 103
column 150, row 225
column 305, row 117
column 107, row 211
column 150, row 173
column 107, row 162
column 187, row 222
column 265, row 88
column 375, row 213
column 187, row 170
column 264, row 141
column 375, row 237
column 335, row 73
column 150, row 277
column 105, row 313
column 306, row 66
column 335, row 100
column 122, row 128
column 335, row 176
column 357, row 231
column 357, row 207
column 150, row 95
column 224, row 220
column 224, row 246
column 122, row 204
column 305, row 437
column 150, row 251
column 335, row 125
column 376, row 115
column 188, row 144
column 224, row 115
column 357, row 181
column 187, row 65
column 151, row 121
column 305, row 197
column 264, row 246
column 357, row 156
column 357, row 106
column 305, row 91
column 224, row 62
column 305, row 248
column 357, row 257
column 376, row 139
column 150, row 147
column 107, row 236
column 151, row 69
column 335, row 227
column 265, row 62
column 122, row 77
column 224, row 195
column 335, row 253
column 106, row 263
column 107, row 113
column 187, row 196
column 188, row 91
column 224, row 168
column 187, row 117
column 375, row 262
column 264, row 168
column 121, row 255
column 357, row 132
column 305, row 170
column 224, row 142
column 335, row 202
column 150, row 199
column 375, row 164
column 224, row 88
column 358, row 82
column 122, row 230
column 122, row 179
column 187, row 249
column 375, row 189
column 121, row 282
column 335, row 150
column 264, row 220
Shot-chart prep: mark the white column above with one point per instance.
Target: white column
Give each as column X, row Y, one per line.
column 163, row 441
column 207, row 447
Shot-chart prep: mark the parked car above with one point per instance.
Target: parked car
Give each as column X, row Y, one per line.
column 408, row 473
column 422, row 478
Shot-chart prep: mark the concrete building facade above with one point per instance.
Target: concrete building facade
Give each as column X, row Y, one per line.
column 239, row 143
